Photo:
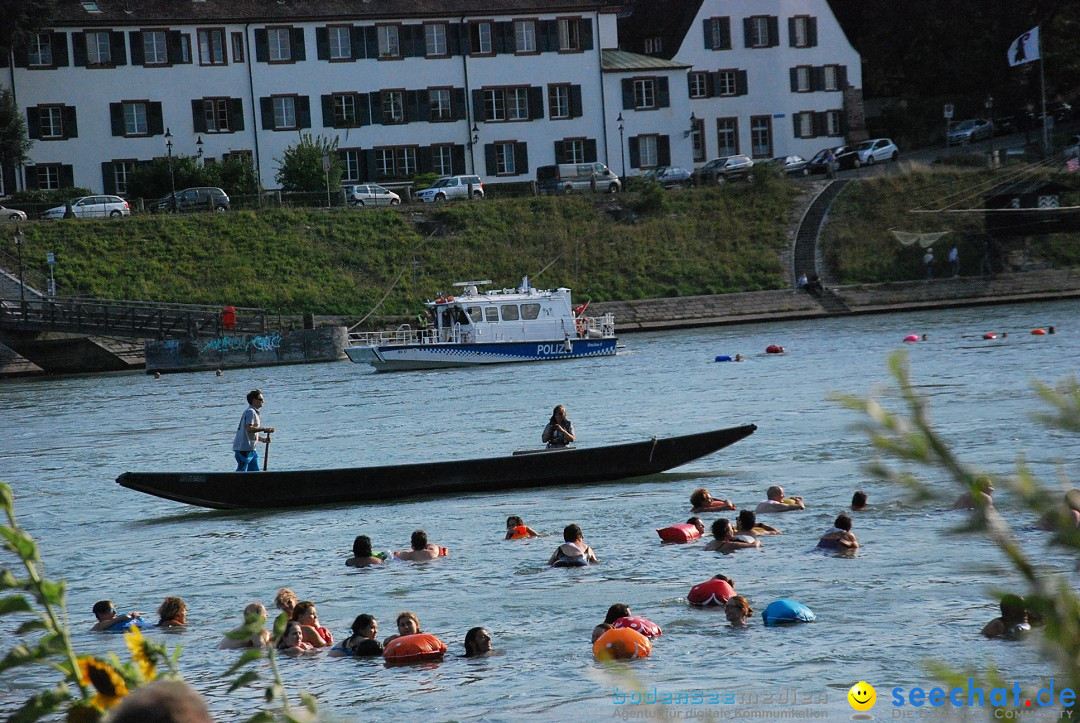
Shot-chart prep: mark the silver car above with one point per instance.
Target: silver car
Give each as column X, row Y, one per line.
column 793, row 165
column 724, row 169
column 370, row 194
column 969, row 131
column 12, row 214
column 877, row 149
column 450, row 187
column 92, row 207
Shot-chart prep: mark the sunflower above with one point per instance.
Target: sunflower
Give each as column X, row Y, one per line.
column 139, row 653
column 108, row 683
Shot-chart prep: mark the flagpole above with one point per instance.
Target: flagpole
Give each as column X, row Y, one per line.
column 1042, row 84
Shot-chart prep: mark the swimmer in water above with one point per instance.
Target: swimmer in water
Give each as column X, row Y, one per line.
column 747, row 523
column 362, row 556
column 737, row 610
column 1013, row 622
column 362, row 642
column 839, row 536
column 776, row 502
column 858, row 501
column 616, row 611
column 292, row 641
column 513, row 522
column 477, row 642
column 407, row 624
column 107, row 617
column 702, row 501
column 254, row 612
column 727, row 541
column 573, row 552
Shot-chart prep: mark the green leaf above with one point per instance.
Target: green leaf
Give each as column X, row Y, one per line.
column 8, row 581
column 246, row 679
column 309, row 701
column 15, row 604
column 19, row 542
column 261, row 717
column 7, row 499
column 248, row 656
column 20, row 655
column 30, row 625
column 279, row 625
column 41, row 705
column 52, row 592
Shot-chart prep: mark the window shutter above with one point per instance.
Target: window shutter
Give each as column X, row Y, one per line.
column 60, row 50
column 328, row 111
column 7, row 175
column 489, row 159
column 811, row 32
column 322, row 43
column 590, row 150
column 793, row 73
column 820, row 124
column 117, row 48
column 548, row 36
column 33, row 123
column 374, row 106
column 67, row 176
column 423, row 159
column 586, row 34
column 634, row 155
column 458, row 105
column 560, row 151
column 198, row 117
column 748, row 32
column 536, row 102
column 663, row 151
column 774, row 31
column 71, row 126
column 175, row 45
column 155, row 122
column 627, row 93
column 710, row 85
column 453, row 38
column 663, row 96
column 521, row 158
column 363, row 109
column 741, row 87
column 371, row 42
column 303, row 111
column 406, row 42
column 78, row 48
column 236, row 114
column 575, row 101
column 796, row 122
column 108, row 178
column 298, row 44
column 22, row 57
column 478, row 105
column 31, row 178
column 499, row 42
column 817, row 78
column 262, row 46
column 116, row 118
column 138, row 54
column 367, row 168
column 266, row 108
column 356, row 40
column 724, row 31
column 706, row 27
column 457, row 159
column 791, row 32
column 841, row 77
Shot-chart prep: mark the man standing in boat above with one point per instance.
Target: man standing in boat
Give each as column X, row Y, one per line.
column 247, row 434
column 559, row 431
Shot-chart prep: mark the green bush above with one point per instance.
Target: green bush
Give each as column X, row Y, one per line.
column 54, row 198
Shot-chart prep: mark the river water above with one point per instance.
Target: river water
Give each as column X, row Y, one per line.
column 913, row 593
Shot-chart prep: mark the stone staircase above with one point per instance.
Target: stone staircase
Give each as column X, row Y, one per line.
column 806, row 238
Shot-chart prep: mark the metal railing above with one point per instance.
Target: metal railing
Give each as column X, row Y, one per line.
column 128, row 318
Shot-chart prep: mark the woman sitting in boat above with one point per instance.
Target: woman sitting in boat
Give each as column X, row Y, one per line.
column 305, row 614
column 573, row 552
column 726, row 539
column 559, row 431
column 421, row 551
column 362, row 555
column 407, row 624
column 362, row 642
column 173, row 613
column 702, row 501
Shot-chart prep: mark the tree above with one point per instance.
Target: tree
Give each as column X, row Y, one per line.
column 14, row 144
column 23, row 17
column 301, row 168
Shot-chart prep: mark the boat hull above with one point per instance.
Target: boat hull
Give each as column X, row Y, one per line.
column 300, row 488
column 444, row 355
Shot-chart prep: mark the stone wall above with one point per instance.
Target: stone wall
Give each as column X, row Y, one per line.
column 284, row 347
column 687, row 311
column 961, row 291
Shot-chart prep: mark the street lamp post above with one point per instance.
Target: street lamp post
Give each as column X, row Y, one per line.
column 22, row 284
column 990, row 117
column 199, row 154
column 172, row 177
column 622, row 148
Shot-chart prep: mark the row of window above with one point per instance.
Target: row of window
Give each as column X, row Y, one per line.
column 809, row 78
column 761, row 31
column 162, row 47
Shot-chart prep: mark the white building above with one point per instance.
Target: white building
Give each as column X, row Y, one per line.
column 492, row 87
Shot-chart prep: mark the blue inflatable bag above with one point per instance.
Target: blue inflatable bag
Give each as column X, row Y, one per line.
column 781, row 612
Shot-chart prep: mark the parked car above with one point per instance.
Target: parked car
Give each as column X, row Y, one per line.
column 92, row 207
column 370, row 194
column 877, row 149
column 1072, row 149
column 570, row 177
column 450, row 187
column 723, row 169
column 192, row 199
column 670, row 176
column 791, row 165
column 12, row 214
column 969, row 131
column 846, row 159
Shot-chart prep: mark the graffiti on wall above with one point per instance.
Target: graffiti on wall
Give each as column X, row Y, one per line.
column 225, row 344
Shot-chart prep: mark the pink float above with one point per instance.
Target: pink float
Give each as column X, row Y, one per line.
column 911, row 337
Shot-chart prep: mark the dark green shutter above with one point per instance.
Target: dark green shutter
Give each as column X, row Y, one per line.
column 60, row 50
column 536, row 102
column 793, row 76
column 811, row 32
column 303, row 111
column 748, row 32
column 375, row 106
column 117, row 48
column 33, row 123
column 791, row 32
column 774, row 31
column 322, row 43
column 262, row 46
column 453, row 38
column 71, row 125
column 586, row 34
column 116, row 118
column 31, row 178
column 457, row 159
column 634, row 155
column 575, row 101
column 356, row 39
column 741, row 86
column 560, row 151
column 175, row 45
column 78, row 48
column 108, row 177
column 841, row 77
column 663, row 151
column 627, row 94
column 590, row 150
column 817, row 78
column 663, row 96
column 236, row 114
column 67, row 176
column 458, row 105
column 297, row 42
column 328, row 111
column 363, row 112
column 521, row 158
column 138, row 52
column 489, row 159
column 266, row 108
column 478, row 105
column 198, row 115
column 155, row 121
column 423, row 159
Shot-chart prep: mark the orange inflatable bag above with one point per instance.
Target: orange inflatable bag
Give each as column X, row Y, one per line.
column 414, row 649
column 621, row 644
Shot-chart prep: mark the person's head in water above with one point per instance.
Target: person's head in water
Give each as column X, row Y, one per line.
column 361, row 546
column 616, row 611
column 514, row 521
column 775, row 493
column 747, row 520
column 700, row 498
column 419, row 540
column 407, row 623
column 365, row 626
column 843, row 522
column 1013, row 610
column 737, row 610
column 697, row 523
column 572, row 533
column 477, row 642
column 721, row 529
column 858, row 500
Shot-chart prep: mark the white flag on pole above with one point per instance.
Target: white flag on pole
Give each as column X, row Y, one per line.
column 1025, row 48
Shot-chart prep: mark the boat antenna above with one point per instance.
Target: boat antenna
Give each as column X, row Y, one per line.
column 393, row 283
column 550, row 264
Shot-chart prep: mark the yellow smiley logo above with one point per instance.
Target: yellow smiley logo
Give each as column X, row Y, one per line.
column 862, row 696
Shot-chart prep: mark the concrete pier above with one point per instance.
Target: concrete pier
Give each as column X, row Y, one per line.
column 298, row 346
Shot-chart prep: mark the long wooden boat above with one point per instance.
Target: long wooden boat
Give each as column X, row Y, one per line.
column 300, row 488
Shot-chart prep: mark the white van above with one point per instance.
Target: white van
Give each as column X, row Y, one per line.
column 571, row 177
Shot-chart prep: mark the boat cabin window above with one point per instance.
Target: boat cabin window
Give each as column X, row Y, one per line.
column 476, row 313
column 510, row 312
column 491, row 313
column 453, row 315
column 530, row 311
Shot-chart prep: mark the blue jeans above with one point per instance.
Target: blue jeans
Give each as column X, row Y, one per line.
column 247, row 461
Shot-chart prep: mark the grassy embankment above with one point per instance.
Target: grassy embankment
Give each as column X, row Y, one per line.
column 858, row 247
column 341, row 262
